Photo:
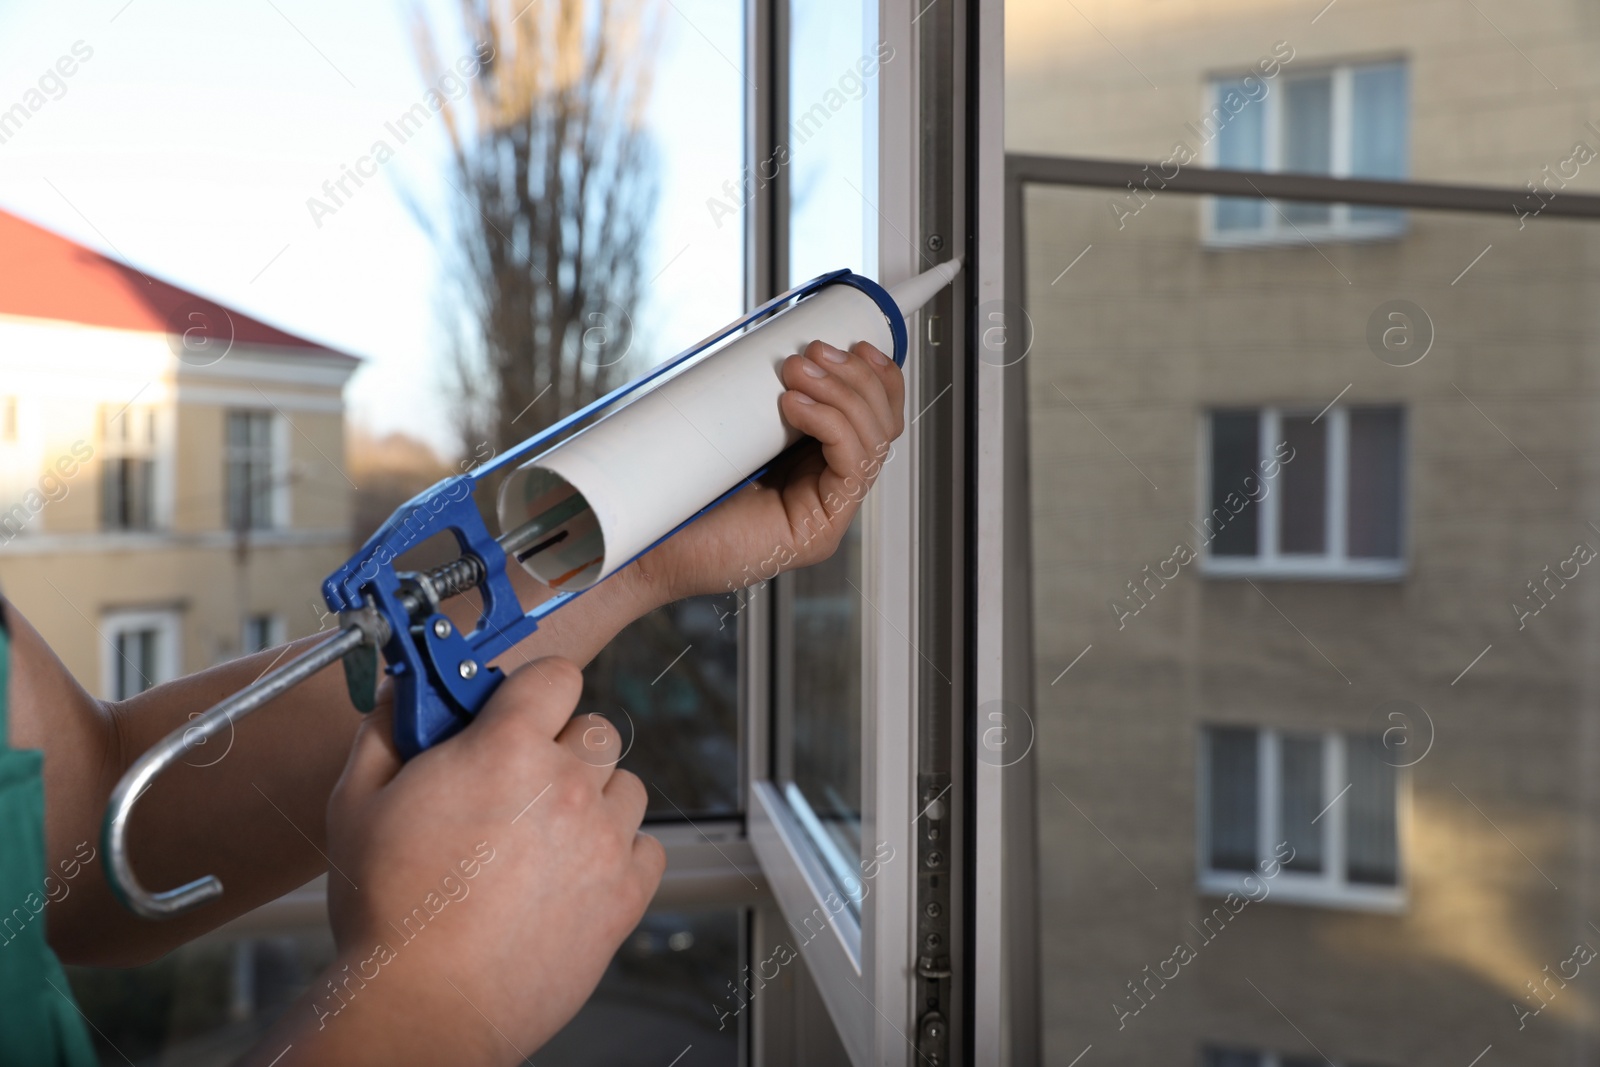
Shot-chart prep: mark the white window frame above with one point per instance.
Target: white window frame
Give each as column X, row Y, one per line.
column 1275, row 229
column 1329, row 887
column 168, row 624
column 1269, row 562
column 864, row 966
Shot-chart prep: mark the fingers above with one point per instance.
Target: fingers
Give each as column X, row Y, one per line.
column 838, row 379
column 538, row 698
column 373, row 761
column 893, row 379
column 594, row 741
column 650, row 860
column 842, row 447
column 627, row 798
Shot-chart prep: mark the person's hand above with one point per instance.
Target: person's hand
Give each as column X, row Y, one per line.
column 853, row 405
column 478, row 891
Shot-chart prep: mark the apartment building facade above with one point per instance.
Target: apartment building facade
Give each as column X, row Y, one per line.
column 173, row 470
column 1313, row 502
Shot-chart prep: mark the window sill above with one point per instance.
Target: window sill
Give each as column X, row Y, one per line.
column 1364, row 570
column 1307, row 892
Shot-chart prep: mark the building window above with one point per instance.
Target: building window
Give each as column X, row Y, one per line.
column 1347, row 121
column 1304, row 494
column 1323, row 805
column 261, row 632
column 141, row 650
column 128, row 469
column 252, row 479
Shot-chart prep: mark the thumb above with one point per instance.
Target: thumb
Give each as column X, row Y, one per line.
column 373, row 762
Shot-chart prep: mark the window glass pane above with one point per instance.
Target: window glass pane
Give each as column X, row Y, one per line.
column 249, row 471
column 135, row 667
column 127, row 469
column 1379, row 134
column 1240, row 146
column 1379, row 120
column 832, row 124
column 1370, row 847
column 149, row 642
column 665, row 994
column 1475, row 464
column 115, row 495
column 1303, row 487
column 1307, row 140
column 636, row 177
column 1233, row 798
column 1235, row 454
column 832, row 224
column 204, row 1004
column 667, row 989
column 824, row 732
column 669, row 683
column 1374, row 513
column 1300, row 783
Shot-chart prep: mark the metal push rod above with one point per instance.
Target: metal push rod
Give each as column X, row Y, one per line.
column 172, row 748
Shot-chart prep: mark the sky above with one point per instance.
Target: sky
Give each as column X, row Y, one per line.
column 190, row 140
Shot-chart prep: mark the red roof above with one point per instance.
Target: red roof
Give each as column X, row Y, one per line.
column 46, row 276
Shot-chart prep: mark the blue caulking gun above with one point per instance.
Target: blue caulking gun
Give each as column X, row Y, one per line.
column 584, row 498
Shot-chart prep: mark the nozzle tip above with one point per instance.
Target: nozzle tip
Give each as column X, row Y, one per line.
column 917, row 290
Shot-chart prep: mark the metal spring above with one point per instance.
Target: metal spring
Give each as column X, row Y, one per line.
column 456, row 577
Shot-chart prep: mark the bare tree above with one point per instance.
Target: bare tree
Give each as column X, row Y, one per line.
column 555, row 194
column 555, row 190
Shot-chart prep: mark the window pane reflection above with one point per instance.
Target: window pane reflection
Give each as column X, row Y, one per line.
column 1417, row 554
column 833, row 63
column 206, row 1004
column 821, row 732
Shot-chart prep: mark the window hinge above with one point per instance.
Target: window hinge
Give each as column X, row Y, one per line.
column 932, row 1037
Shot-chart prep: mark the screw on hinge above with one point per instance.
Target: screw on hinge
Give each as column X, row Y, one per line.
column 468, row 669
column 932, row 1033
column 441, row 627
column 935, row 242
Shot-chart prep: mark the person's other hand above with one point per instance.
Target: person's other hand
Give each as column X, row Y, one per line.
column 853, row 406
column 478, row 891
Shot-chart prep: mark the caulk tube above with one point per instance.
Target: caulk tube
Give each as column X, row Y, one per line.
column 615, row 488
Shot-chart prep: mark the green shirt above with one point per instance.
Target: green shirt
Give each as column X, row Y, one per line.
column 40, row 1023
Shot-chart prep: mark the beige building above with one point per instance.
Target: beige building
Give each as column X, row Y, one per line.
column 1325, row 567
column 172, row 484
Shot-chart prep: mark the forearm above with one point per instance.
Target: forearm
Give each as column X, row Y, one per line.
column 250, row 808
